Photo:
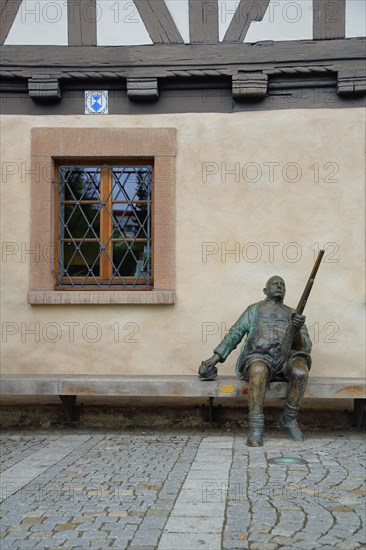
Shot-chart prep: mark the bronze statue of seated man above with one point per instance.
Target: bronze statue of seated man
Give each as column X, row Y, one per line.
column 265, row 324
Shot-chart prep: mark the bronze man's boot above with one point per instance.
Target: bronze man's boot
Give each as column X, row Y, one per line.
column 288, row 422
column 258, row 376
column 256, row 429
column 298, row 376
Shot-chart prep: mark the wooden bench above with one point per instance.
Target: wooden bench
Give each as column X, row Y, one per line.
column 68, row 388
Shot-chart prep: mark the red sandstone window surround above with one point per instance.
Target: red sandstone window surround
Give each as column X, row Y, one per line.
column 130, row 258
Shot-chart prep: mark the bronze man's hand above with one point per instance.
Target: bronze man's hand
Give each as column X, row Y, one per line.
column 298, row 320
column 208, row 370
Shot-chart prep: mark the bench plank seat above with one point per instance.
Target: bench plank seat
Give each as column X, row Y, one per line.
column 169, row 386
column 69, row 387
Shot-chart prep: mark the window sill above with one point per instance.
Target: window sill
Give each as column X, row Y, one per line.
column 101, row 297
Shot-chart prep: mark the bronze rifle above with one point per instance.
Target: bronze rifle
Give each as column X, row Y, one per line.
column 288, row 339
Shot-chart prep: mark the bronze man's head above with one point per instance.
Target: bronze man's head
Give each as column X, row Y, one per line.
column 275, row 288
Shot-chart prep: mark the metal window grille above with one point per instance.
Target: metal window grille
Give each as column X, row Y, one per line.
column 105, row 226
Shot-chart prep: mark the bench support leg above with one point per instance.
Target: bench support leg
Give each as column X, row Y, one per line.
column 210, row 413
column 358, row 412
column 71, row 411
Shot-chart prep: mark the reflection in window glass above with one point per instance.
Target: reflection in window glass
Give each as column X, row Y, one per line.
column 81, row 260
column 131, row 261
column 79, row 183
column 104, row 226
column 81, row 221
column 130, row 221
column 131, row 183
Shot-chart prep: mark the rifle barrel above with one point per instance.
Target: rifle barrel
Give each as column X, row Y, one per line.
column 305, row 295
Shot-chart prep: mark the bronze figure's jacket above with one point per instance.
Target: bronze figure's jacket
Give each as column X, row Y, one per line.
column 264, row 324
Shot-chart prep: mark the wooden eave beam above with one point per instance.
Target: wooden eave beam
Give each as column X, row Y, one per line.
column 203, row 21
column 176, row 60
column 82, row 22
column 158, row 21
column 8, row 13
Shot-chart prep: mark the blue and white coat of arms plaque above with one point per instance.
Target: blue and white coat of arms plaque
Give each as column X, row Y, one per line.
column 96, row 102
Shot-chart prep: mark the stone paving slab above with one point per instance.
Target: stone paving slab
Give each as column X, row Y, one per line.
column 169, row 490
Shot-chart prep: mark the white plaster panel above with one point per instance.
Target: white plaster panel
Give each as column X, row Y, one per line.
column 119, row 23
column 283, row 20
column 355, row 18
column 40, row 22
column 180, row 13
column 266, row 186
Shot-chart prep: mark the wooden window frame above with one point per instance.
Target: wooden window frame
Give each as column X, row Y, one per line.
column 105, row 222
column 52, row 145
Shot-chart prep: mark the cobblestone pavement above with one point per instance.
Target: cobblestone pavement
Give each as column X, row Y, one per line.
column 168, row 490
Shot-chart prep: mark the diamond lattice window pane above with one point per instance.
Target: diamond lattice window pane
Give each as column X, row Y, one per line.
column 131, row 261
column 79, row 183
column 104, row 226
column 82, row 221
column 131, row 183
column 130, row 221
column 83, row 261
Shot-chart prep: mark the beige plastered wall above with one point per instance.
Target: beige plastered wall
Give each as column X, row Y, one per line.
column 298, row 177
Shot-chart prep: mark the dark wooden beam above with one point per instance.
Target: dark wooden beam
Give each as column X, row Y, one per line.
column 158, row 22
column 204, row 21
column 246, row 12
column 329, row 19
column 8, row 13
column 82, row 22
column 177, row 60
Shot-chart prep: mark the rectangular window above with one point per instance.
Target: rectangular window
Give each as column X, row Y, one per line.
column 104, row 225
column 103, row 216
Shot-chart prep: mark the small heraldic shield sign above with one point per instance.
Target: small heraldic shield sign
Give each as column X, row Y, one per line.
column 96, row 102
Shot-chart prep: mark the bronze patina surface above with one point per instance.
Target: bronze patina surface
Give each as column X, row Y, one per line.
column 265, row 326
